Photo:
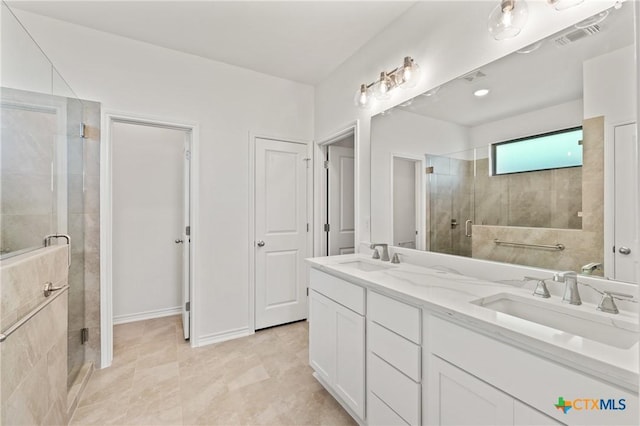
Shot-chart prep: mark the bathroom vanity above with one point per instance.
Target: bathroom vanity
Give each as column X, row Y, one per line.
column 402, row 344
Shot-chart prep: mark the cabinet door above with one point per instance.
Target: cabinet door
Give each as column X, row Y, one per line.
column 526, row 415
column 322, row 320
column 461, row 399
column 349, row 370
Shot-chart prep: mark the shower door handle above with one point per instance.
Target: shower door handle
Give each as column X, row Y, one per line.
column 467, row 228
column 49, row 288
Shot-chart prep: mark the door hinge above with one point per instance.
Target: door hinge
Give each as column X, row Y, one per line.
column 187, row 306
column 307, row 160
column 326, row 164
column 326, row 227
column 307, row 291
column 187, row 154
column 83, row 130
column 613, row 249
column 428, row 170
column 84, row 336
column 307, row 227
column 187, row 231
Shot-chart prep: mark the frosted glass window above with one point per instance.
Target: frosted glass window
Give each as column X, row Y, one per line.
column 542, row 152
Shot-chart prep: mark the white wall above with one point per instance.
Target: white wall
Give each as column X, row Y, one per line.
column 557, row 117
column 447, row 39
column 614, row 99
column 228, row 102
column 415, row 135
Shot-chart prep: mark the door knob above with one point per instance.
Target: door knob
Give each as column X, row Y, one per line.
column 260, row 243
column 179, row 241
column 624, row 250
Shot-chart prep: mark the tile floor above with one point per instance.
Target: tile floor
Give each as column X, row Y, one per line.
column 157, row 379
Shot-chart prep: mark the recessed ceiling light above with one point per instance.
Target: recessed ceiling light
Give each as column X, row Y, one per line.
column 530, row 48
column 481, row 92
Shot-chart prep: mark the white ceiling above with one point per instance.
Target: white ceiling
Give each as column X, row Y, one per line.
column 302, row 41
column 520, row 83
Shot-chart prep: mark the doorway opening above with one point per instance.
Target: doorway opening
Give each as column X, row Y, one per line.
column 147, row 224
column 408, row 209
column 336, row 194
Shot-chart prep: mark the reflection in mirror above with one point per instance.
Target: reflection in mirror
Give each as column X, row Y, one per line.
column 513, row 156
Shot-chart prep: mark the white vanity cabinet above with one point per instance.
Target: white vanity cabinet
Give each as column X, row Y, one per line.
column 394, row 361
column 473, row 379
column 459, row 398
column 337, row 338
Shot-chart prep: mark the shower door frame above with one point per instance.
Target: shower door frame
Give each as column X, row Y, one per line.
column 106, row 221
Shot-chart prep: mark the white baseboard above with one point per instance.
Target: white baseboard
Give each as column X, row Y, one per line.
column 225, row 335
column 141, row 316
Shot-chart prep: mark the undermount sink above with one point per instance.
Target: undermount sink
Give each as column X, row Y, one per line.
column 365, row 266
column 593, row 326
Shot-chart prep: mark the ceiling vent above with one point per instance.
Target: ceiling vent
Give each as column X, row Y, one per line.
column 576, row 35
column 472, row 76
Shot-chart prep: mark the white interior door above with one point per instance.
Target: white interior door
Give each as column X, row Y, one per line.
column 626, row 193
column 148, row 219
column 280, row 232
column 340, row 199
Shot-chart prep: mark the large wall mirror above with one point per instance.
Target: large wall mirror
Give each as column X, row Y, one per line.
column 530, row 159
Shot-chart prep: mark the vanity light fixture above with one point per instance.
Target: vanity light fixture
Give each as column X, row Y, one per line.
column 564, row 4
column 406, row 75
column 481, row 93
column 508, row 18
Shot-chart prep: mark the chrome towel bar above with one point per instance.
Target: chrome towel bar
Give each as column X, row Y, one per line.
column 8, row 332
column 558, row 246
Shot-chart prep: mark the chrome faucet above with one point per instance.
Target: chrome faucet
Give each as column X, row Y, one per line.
column 571, row 294
column 385, row 250
column 590, row 267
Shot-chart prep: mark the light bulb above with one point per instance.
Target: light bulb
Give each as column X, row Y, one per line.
column 383, row 86
column 564, row 4
column 409, row 73
column 362, row 97
column 507, row 19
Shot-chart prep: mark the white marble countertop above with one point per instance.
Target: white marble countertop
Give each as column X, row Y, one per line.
column 448, row 294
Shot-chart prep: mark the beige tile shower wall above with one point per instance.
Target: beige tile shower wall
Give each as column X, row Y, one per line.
column 33, row 360
column 544, row 199
column 581, row 246
column 92, row 230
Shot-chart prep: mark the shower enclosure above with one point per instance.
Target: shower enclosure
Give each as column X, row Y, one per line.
column 43, row 168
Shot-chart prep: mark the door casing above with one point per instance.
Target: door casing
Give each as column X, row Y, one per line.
column 106, row 222
column 320, row 187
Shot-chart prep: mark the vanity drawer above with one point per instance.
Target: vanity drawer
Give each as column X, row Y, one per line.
column 395, row 389
column 379, row 414
column 396, row 316
column 341, row 291
column 396, row 350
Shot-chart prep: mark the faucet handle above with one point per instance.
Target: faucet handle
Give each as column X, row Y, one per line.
column 607, row 303
column 541, row 289
column 376, row 254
